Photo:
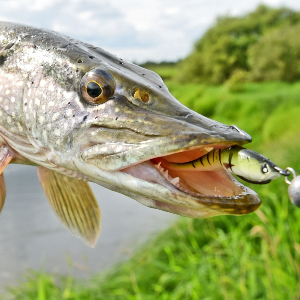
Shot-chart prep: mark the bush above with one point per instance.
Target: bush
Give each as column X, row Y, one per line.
column 224, row 48
column 276, row 56
column 236, row 82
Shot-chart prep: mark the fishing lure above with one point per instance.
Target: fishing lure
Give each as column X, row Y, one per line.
column 246, row 164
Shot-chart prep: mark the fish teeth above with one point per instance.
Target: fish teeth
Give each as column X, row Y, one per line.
column 165, row 173
column 175, row 181
column 178, row 186
column 159, row 167
column 208, row 149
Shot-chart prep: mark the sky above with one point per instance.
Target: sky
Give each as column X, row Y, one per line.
column 135, row 30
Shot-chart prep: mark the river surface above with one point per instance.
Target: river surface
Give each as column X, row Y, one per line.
column 32, row 237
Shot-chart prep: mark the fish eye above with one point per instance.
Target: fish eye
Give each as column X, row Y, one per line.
column 97, row 86
column 264, row 169
column 93, row 89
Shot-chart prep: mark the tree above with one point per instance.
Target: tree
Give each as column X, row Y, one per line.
column 276, row 56
column 224, row 48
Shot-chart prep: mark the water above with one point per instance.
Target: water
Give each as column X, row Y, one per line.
column 32, row 237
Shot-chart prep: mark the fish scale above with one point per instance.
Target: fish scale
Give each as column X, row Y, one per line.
column 10, row 102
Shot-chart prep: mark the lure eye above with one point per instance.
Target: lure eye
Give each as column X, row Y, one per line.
column 264, row 169
column 97, row 86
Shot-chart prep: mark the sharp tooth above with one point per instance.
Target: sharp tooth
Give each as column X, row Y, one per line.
column 175, row 181
column 158, row 166
column 170, row 177
column 166, row 173
column 208, row 149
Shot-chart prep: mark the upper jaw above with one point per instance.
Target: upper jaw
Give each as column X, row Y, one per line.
column 119, row 155
column 116, row 145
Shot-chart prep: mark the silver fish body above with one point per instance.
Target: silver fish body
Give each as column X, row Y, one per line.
column 75, row 109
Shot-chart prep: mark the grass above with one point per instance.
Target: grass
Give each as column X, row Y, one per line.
column 250, row 257
column 256, row 256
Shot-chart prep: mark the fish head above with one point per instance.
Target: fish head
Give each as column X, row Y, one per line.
column 110, row 122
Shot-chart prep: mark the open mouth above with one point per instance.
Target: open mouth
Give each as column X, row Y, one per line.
column 138, row 166
column 217, row 189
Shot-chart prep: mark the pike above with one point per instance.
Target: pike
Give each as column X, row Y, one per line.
column 81, row 114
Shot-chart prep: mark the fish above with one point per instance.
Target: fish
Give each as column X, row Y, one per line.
column 80, row 114
column 245, row 163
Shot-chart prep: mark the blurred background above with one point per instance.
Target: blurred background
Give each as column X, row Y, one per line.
column 233, row 61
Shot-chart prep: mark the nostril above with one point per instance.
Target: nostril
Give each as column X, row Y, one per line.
column 145, row 97
column 136, row 93
column 141, row 95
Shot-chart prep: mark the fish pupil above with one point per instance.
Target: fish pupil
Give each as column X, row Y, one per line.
column 93, row 89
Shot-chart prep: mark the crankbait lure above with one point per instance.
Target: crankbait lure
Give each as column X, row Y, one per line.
column 246, row 164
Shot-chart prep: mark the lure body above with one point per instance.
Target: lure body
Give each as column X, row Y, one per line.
column 247, row 164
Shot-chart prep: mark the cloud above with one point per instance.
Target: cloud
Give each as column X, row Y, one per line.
column 135, row 30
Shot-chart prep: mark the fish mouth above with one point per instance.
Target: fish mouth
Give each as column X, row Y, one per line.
column 131, row 163
column 187, row 193
column 217, row 190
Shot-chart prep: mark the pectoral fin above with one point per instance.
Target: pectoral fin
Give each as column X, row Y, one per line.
column 2, row 191
column 5, row 158
column 74, row 203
